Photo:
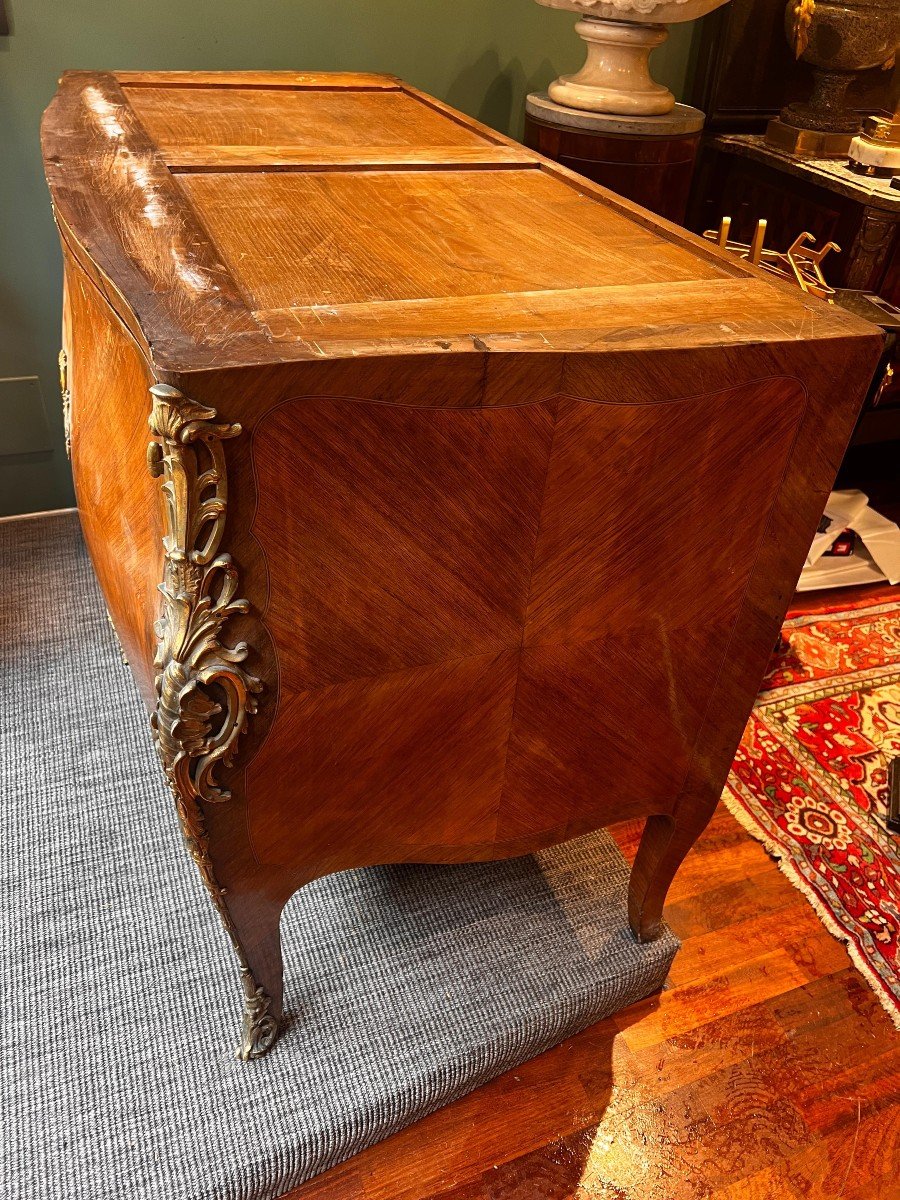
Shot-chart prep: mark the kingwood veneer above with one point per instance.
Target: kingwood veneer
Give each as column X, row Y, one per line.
column 474, row 495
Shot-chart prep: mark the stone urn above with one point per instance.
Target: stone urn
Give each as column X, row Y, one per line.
column 838, row 38
column 620, row 35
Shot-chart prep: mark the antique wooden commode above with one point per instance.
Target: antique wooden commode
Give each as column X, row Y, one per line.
column 474, row 495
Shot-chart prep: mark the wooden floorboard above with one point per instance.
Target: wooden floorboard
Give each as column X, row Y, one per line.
column 766, row 1070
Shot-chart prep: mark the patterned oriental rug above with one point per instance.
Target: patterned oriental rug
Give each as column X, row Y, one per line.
column 810, row 778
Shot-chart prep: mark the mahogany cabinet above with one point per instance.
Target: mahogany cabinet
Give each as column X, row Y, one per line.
column 446, row 505
column 653, row 170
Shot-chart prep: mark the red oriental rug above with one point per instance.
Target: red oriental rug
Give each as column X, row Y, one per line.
column 810, row 778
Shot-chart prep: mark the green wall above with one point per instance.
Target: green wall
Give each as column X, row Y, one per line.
column 482, row 56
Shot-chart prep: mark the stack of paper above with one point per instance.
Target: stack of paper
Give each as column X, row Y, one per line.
column 875, row 557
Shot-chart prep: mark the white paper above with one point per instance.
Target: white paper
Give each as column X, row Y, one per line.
column 841, row 510
column 877, row 554
column 851, row 571
column 881, row 538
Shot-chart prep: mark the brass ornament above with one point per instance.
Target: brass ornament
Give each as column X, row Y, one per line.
column 66, row 400
column 260, row 1028
column 801, row 263
column 801, row 14
column 204, row 696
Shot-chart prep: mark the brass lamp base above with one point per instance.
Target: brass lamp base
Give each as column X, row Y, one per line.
column 807, row 143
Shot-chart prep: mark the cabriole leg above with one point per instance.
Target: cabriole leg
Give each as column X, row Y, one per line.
column 257, row 940
column 664, row 843
column 205, row 696
column 254, row 930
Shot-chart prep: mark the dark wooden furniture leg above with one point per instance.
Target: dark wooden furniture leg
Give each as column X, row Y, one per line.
column 254, row 926
column 252, row 921
column 204, row 693
column 663, row 846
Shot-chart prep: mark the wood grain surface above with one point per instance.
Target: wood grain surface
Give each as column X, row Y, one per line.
column 131, row 159
column 433, row 234
column 485, row 614
column 117, row 500
column 309, row 117
column 508, row 481
column 766, row 1070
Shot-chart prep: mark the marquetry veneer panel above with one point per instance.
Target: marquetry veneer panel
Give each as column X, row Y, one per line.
column 421, row 548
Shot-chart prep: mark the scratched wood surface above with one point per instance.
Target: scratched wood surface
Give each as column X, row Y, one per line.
column 218, row 116
column 766, row 1070
column 362, row 190
column 523, row 479
column 434, row 235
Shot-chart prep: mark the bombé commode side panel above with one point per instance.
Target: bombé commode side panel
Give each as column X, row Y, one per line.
column 497, row 628
column 523, row 681
column 152, row 483
column 106, row 381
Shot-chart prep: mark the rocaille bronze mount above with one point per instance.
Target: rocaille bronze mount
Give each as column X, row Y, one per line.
column 205, row 697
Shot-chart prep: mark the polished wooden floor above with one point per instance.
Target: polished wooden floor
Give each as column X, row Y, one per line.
column 765, row 1071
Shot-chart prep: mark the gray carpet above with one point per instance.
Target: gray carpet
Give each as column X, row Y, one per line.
column 409, row 986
